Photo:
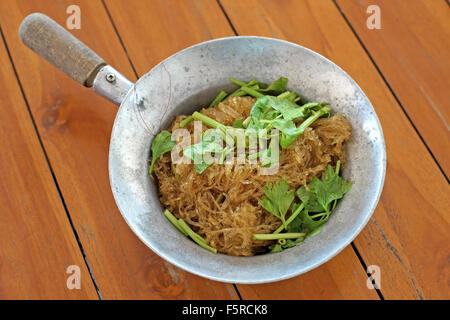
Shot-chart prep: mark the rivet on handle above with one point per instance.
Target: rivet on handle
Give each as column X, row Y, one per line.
column 111, row 77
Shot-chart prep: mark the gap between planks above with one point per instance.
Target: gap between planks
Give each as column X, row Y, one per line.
column 137, row 76
column 75, row 233
column 391, row 89
column 355, row 250
column 363, row 264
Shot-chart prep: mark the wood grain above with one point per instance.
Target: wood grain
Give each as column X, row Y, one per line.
column 412, row 49
column 150, row 38
column 338, row 279
column 189, row 22
column 37, row 242
column 75, row 127
column 408, row 235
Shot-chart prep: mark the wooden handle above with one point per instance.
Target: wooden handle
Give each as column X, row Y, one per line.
column 56, row 45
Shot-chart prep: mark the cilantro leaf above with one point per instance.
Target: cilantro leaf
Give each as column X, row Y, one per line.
column 310, row 223
column 269, row 107
column 289, row 132
column 266, row 157
column 196, row 152
column 262, row 110
column 252, row 88
column 329, row 188
column 278, row 86
column 287, row 108
column 304, row 222
column 309, row 198
column 317, row 198
column 238, row 123
column 161, row 144
column 277, row 199
column 308, row 216
column 275, row 112
column 309, row 107
column 200, row 167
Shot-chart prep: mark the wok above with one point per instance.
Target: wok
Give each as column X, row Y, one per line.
column 180, row 85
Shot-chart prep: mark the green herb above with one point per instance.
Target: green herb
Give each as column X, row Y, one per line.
column 317, row 198
column 184, row 122
column 252, row 92
column 174, row 221
column 246, row 122
column 309, row 107
column 183, row 227
column 238, row 123
column 296, row 209
column 194, row 236
column 289, row 243
column 293, row 227
column 271, row 236
column 309, row 199
column 219, row 197
column 295, row 224
column 224, row 154
column 238, row 93
column 286, row 108
column 161, row 144
column 277, row 87
column 276, row 248
column 270, row 108
column 270, row 112
column 289, row 95
column 259, row 112
column 277, row 199
column 196, row 152
column 329, row 188
column 222, row 95
column 289, row 132
column 208, row 121
column 338, row 166
column 265, row 157
column 174, row 171
column 239, row 82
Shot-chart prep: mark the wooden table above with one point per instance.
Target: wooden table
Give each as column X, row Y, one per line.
column 56, row 205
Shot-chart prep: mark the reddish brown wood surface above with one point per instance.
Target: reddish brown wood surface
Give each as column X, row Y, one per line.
column 141, row 49
column 412, row 49
column 75, row 126
column 411, row 223
column 339, row 278
column 37, row 241
column 407, row 237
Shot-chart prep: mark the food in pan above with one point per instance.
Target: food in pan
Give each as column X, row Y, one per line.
column 267, row 177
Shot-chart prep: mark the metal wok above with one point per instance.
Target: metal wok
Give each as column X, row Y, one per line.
column 191, row 78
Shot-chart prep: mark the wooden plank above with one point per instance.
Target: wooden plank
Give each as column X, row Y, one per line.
column 408, row 235
column 37, row 241
column 195, row 21
column 412, row 50
column 75, row 127
column 174, row 25
column 340, row 278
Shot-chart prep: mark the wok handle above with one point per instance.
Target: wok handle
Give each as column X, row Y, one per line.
column 56, row 45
